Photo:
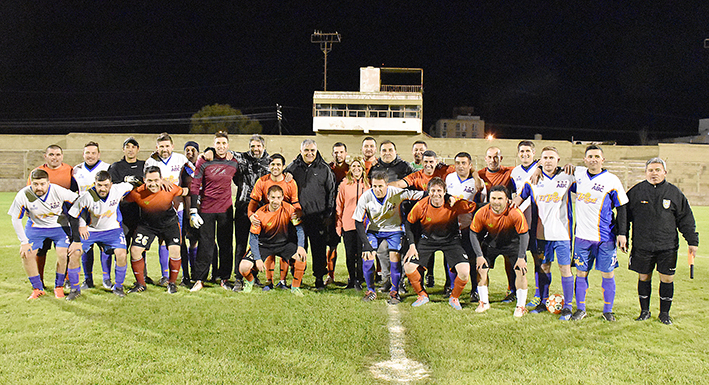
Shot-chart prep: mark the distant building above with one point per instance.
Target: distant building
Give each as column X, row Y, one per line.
column 462, row 126
column 376, row 107
column 702, row 138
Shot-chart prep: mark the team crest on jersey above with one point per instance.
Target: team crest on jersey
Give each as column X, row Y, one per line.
column 597, row 187
column 666, row 203
column 428, row 219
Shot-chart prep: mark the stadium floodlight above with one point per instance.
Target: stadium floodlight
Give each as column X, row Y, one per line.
column 325, row 39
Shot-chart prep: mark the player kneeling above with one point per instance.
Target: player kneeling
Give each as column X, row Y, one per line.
column 502, row 231
column 439, row 231
column 272, row 235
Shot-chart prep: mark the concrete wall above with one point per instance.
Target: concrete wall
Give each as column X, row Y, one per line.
column 688, row 164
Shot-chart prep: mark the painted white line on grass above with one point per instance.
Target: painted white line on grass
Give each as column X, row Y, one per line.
column 399, row 368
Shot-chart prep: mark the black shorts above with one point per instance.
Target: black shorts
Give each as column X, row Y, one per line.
column 285, row 251
column 536, row 246
column 452, row 252
column 144, row 235
column 491, row 255
column 643, row 262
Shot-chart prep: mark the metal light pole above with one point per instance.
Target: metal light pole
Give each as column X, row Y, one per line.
column 279, row 114
column 325, row 40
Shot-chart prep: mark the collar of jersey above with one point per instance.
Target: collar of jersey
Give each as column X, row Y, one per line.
column 592, row 176
column 526, row 169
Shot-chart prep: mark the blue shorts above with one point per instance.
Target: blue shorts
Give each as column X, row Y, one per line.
column 603, row 253
column 37, row 235
column 393, row 239
column 109, row 240
column 562, row 249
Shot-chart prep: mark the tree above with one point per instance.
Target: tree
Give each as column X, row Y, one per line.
column 223, row 117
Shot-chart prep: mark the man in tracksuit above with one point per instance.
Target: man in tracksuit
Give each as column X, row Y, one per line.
column 657, row 209
column 316, row 192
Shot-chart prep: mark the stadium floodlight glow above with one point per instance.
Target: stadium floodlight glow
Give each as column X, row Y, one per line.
column 325, row 39
column 490, row 137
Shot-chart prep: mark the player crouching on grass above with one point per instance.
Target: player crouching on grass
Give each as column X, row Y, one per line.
column 158, row 218
column 439, row 231
column 272, row 236
column 502, row 230
column 43, row 203
column 104, row 227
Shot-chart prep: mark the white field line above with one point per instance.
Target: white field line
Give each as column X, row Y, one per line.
column 398, row 369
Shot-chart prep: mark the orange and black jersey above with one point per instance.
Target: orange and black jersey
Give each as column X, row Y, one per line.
column 274, row 229
column 499, row 231
column 503, row 176
column 156, row 208
column 62, row 176
column 259, row 194
column 439, row 223
column 419, row 181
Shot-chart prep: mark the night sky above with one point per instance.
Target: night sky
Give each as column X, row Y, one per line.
column 591, row 72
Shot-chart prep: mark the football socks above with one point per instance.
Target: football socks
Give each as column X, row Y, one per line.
column 644, row 290
column 106, row 265
column 138, row 269
column 164, row 255
column 581, row 289
column 59, row 280
column 482, row 292
column 608, row 289
column 368, row 267
column 174, row 269
column 666, row 294
column 395, row 272
column 298, row 275
column 270, row 264
column 458, row 286
column 120, row 275
column 36, row 282
column 522, row 298
column 415, row 279
column 74, row 278
column 567, row 285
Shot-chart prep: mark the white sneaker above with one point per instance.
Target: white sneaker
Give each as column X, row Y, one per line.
column 197, row 286
column 520, row 311
column 482, row 307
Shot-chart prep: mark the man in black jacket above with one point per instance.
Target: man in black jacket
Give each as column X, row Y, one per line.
column 316, row 192
column 396, row 169
column 657, row 209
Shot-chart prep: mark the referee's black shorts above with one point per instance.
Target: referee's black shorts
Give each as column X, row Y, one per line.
column 643, row 261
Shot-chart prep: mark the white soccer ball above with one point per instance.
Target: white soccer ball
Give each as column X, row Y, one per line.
column 555, row 303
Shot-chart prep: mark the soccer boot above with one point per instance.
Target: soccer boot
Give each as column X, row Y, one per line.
column 238, row 285
column 137, row 288
column 282, row 285
column 36, row 293
column 474, row 297
column 149, row 281
column 511, row 296
column 225, row 285
column 328, row 280
column 119, row 291
column 665, row 318
column 608, row 316
column 358, row 285
column 534, row 302
column 541, row 308
column 447, row 292
column 268, row 286
column 107, row 284
column 394, row 298
column 350, row 284
column 59, row 292
column 319, row 284
column 73, row 294
column 520, row 311
column 369, row 296
column 455, row 303
column 386, row 287
column 420, row 301
column 296, row 291
column 402, row 287
column 171, row 288
column 163, row 281
column 248, row 286
column 578, row 315
column 185, row 282
column 87, row 284
column 430, row 281
column 565, row 314
column 482, row 307
column 644, row 315
column 197, row 286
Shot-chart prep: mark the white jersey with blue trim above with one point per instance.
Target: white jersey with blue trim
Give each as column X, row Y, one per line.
column 520, row 175
column 462, row 189
column 85, row 176
column 596, row 196
column 383, row 214
column 170, row 170
column 44, row 211
column 551, row 206
column 104, row 213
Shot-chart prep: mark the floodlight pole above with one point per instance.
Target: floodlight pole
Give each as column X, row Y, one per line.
column 325, row 40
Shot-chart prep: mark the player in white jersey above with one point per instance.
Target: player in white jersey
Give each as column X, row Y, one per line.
column 171, row 165
column 551, row 225
column 597, row 193
column 104, row 226
column 465, row 184
column 380, row 206
column 43, row 203
column 520, row 175
column 85, row 174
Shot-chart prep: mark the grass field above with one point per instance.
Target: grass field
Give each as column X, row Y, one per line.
column 331, row 337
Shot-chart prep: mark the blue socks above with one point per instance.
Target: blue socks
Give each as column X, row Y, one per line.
column 74, row 279
column 164, row 260
column 87, row 262
column 608, row 288
column 120, row 275
column 59, row 281
column 567, row 284
column 36, row 282
column 106, row 265
column 395, row 271
column 581, row 288
column 368, row 267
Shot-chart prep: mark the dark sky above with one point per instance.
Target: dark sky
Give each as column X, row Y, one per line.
column 594, row 71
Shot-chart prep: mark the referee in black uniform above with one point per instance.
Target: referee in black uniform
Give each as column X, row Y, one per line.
column 657, row 209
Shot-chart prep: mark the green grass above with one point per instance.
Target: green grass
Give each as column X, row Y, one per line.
column 218, row 337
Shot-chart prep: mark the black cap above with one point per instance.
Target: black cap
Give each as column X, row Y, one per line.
column 132, row 141
column 193, row 144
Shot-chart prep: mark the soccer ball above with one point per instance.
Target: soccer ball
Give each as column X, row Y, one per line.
column 555, row 303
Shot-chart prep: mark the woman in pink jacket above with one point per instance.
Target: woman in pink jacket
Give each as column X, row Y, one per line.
column 351, row 188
